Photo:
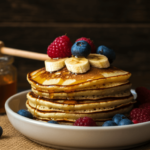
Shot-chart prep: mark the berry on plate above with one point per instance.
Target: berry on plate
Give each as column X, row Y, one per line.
column 118, row 117
column 60, row 47
column 25, row 113
column 109, row 53
column 1, row 131
column 135, row 121
column 143, row 95
column 90, row 42
column 125, row 121
column 81, row 48
column 53, row 121
column 85, row 121
column 109, row 123
column 140, row 114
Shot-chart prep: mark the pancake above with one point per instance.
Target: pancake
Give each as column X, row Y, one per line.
column 94, row 87
column 32, row 95
column 66, row 116
column 63, row 80
column 83, row 94
column 78, row 106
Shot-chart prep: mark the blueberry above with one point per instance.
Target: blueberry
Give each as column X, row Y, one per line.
column 109, row 53
column 81, row 48
column 125, row 121
column 53, row 121
column 109, row 123
column 1, row 131
column 25, row 113
column 118, row 117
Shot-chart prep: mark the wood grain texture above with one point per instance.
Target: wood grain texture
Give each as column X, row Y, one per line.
column 123, row 26
column 99, row 11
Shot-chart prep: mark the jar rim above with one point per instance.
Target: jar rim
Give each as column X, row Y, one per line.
column 6, row 59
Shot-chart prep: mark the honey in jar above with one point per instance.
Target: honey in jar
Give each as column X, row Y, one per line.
column 8, row 80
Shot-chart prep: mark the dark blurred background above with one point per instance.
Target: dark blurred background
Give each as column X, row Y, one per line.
column 123, row 25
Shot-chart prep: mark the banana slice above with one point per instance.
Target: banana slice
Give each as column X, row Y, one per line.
column 98, row 60
column 52, row 65
column 77, row 65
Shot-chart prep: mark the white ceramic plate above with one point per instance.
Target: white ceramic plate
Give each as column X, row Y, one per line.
column 74, row 137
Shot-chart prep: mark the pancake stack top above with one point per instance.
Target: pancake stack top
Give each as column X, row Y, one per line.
column 65, row 96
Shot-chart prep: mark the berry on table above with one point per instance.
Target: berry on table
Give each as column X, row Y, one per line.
column 53, row 121
column 25, row 113
column 85, row 121
column 60, row 47
column 109, row 53
column 90, row 42
column 81, row 48
column 125, row 121
column 109, row 123
column 118, row 117
column 1, row 131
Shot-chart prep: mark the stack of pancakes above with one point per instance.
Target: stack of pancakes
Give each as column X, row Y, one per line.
column 64, row 97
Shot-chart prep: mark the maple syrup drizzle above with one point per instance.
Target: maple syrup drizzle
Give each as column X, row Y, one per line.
column 42, row 75
column 51, row 94
column 69, row 93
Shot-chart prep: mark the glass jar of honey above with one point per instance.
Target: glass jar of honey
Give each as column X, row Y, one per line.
column 8, row 80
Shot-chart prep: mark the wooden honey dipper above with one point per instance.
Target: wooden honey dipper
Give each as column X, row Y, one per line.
column 22, row 53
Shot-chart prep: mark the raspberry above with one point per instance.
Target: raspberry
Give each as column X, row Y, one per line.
column 143, row 95
column 93, row 48
column 85, row 121
column 140, row 114
column 60, row 47
column 135, row 121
